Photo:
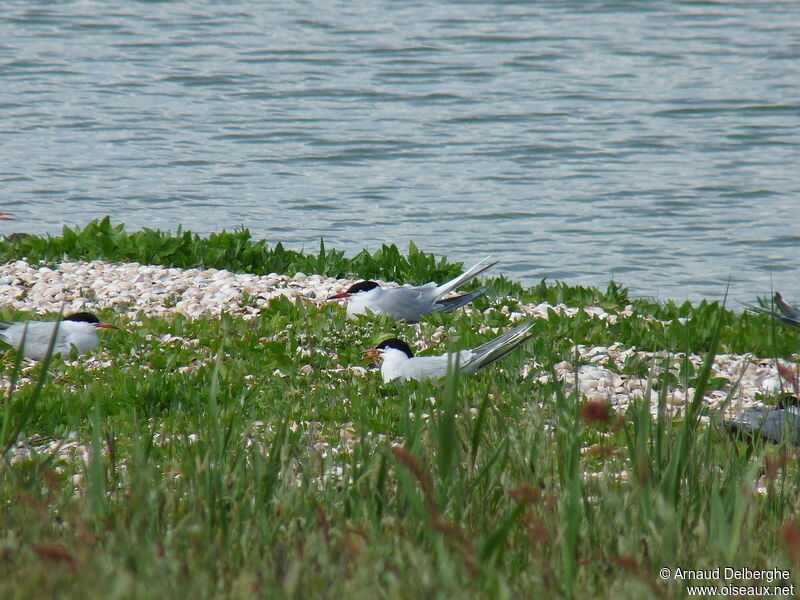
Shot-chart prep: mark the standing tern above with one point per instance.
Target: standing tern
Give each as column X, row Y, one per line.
column 399, row 362
column 788, row 314
column 412, row 303
column 79, row 330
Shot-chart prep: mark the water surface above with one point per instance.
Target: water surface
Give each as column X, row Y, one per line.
column 655, row 143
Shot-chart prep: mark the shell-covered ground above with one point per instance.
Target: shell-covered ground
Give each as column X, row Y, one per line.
column 131, row 289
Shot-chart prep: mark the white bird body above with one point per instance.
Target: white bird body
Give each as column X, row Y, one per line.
column 411, row 303
column 398, row 362
column 401, row 302
column 33, row 337
column 397, row 365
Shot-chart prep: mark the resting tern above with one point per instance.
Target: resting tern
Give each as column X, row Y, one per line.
column 79, row 330
column 411, row 303
column 399, row 362
column 788, row 314
column 773, row 424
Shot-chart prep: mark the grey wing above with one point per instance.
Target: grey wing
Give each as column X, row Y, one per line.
column 5, row 334
column 426, row 367
column 14, row 332
column 773, row 425
column 783, row 318
column 407, row 303
column 789, row 311
column 450, row 304
column 37, row 339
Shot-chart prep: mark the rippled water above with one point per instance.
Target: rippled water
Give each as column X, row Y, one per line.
column 657, row 143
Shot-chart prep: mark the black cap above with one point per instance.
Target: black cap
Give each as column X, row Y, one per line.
column 397, row 345
column 82, row 317
column 362, row 286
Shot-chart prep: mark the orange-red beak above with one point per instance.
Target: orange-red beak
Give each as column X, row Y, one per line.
column 372, row 354
column 4, row 216
column 105, row 326
column 338, row 296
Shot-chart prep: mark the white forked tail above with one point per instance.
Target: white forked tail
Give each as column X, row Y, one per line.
column 466, row 276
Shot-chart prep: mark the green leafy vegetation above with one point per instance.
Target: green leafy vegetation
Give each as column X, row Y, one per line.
column 234, row 251
column 243, row 458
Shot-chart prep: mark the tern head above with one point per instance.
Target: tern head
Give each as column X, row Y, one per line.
column 390, row 344
column 356, row 288
column 87, row 317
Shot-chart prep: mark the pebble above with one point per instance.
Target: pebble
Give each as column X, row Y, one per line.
column 307, row 369
column 150, row 289
column 133, row 289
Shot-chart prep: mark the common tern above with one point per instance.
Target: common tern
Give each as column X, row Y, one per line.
column 787, row 314
column 412, row 303
column 79, row 330
column 399, row 362
column 772, row 424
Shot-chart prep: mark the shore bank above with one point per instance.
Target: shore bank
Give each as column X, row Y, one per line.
column 231, row 430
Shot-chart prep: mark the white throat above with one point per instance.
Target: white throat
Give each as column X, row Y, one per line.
column 81, row 335
column 360, row 302
column 394, row 363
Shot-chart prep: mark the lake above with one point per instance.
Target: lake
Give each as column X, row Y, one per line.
column 655, row 143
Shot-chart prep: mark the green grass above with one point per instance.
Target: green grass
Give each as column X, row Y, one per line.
column 231, row 480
